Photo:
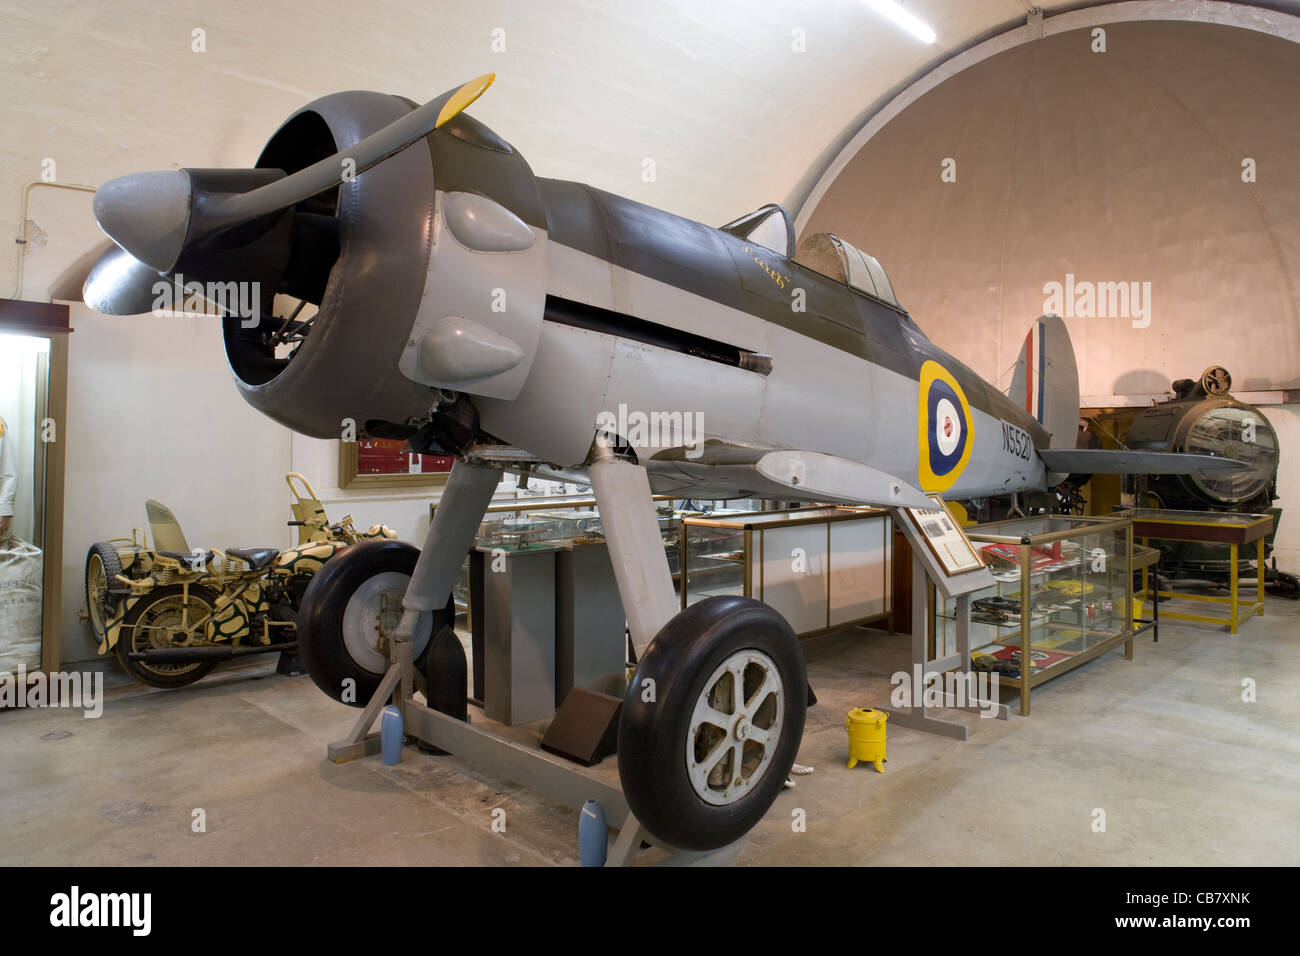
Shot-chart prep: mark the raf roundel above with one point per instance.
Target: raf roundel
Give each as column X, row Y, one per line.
column 944, row 437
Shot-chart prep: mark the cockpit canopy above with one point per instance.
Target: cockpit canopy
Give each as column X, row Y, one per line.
column 769, row 227
column 822, row 252
column 838, row 260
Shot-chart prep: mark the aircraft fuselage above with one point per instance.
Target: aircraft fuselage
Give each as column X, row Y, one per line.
column 633, row 291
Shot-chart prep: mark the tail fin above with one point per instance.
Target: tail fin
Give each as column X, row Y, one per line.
column 1046, row 380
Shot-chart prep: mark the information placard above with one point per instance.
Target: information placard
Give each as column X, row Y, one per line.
column 944, row 538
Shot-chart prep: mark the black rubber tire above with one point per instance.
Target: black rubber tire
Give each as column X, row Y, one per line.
column 112, row 564
column 652, row 735
column 125, row 640
column 321, row 645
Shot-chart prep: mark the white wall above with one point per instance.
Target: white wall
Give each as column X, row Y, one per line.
column 153, row 413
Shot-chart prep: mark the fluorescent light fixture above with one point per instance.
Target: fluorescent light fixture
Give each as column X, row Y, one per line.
column 893, row 11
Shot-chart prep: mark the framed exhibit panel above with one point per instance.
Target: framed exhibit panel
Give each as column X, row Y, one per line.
column 33, row 407
column 944, row 538
column 388, row 463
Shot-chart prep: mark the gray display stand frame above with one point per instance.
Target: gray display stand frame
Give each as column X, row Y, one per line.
column 927, row 570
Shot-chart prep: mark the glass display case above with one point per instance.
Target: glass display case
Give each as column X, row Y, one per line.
column 1062, row 594
column 820, row 568
column 520, row 524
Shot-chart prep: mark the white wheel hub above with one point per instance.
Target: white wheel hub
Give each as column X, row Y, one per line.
column 735, row 727
column 371, row 617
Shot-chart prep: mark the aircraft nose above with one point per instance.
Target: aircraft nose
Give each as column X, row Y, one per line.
column 147, row 214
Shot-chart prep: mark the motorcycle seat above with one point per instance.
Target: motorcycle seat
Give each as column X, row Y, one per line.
column 257, row 558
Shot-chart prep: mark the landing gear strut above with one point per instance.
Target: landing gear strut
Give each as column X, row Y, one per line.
column 711, row 722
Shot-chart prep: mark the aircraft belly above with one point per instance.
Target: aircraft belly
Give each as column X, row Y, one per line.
column 817, row 398
column 995, row 468
column 889, row 422
column 669, row 399
column 664, row 400
column 554, row 416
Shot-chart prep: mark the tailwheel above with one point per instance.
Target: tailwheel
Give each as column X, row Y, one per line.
column 350, row 613
column 704, row 759
column 166, row 618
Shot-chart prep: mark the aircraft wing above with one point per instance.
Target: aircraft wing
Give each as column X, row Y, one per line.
column 783, row 474
column 1108, row 461
column 828, row 478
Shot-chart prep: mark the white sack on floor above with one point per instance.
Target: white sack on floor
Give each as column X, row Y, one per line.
column 21, row 567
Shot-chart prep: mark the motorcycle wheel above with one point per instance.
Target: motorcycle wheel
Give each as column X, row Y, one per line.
column 152, row 622
column 102, row 566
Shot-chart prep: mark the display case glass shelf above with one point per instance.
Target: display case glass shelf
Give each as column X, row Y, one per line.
column 1062, row 594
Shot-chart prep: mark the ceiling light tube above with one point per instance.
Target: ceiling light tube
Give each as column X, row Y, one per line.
column 893, row 11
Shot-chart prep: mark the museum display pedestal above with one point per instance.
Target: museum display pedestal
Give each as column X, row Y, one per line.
column 1207, row 527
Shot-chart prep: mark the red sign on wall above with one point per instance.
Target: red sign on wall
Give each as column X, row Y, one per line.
column 390, row 456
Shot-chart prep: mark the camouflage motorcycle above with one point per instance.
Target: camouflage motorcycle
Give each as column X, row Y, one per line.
column 171, row 613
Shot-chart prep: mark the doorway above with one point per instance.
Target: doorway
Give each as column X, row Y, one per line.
column 32, row 401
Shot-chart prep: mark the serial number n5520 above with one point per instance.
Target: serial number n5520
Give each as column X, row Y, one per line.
column 1016, row 441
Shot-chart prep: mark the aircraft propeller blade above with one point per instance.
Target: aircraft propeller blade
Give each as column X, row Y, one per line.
column 155, row 216
column 120, row 284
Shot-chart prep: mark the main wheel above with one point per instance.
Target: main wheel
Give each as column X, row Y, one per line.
column 102, row 566
column 160, row 619
column 351, row 610
column 704, row 757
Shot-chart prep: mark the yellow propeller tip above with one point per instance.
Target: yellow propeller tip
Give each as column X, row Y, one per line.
column 464, row 96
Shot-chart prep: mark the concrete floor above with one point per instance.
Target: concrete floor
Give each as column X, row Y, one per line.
column 1186, row 772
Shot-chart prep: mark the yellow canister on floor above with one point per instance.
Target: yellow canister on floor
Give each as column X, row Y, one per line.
column 866, row 737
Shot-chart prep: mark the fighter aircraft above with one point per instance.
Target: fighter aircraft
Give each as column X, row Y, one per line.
column 537, row 326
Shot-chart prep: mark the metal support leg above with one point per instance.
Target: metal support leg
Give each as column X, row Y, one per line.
column 1155, row 605
column 1259, row 578
column 962, row 610
column 918, row 718
column 360, row 742
column 636, row 549
column 1232, row 587
column 465, row 500
column 628, row 842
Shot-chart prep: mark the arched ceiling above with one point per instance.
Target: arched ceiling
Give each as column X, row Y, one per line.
column 1075, row 166
column 714, row 92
